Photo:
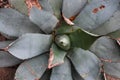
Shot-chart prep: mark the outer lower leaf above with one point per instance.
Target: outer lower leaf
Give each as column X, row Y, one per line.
column 32, row 69
column 56, row 6
column 96, row 13
column 106, row 49
column 62, row 72
column 45, row 20
column 57, row 56
column 14, row 24
column 4, row 44
column 19, row 5
column 112, row 69
column 30, row 45
column 115, row 34
column 113, row 24
column 85, row 63
column 72, row 8
column 81, row 39
column 45, row 5
column 7, row 60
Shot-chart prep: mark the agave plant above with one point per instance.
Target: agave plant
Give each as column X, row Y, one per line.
column 62, row 39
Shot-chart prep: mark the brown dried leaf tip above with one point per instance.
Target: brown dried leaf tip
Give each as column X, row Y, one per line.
column 50, row 61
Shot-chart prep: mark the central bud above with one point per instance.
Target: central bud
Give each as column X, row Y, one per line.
column 63, row 41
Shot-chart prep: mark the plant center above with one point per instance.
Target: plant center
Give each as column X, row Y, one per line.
column 63, row 41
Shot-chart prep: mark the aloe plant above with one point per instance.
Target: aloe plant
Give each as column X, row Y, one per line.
column 64, row 39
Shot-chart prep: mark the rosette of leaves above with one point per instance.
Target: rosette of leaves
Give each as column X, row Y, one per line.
column 64, row 39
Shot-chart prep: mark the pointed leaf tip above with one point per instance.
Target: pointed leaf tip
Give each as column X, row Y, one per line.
column 56, row 56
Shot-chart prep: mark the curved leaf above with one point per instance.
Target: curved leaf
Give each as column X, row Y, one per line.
column 113, row 24
column 96, row 13
column 30, row 45
column 57, row 56
column 19, row 5
column 45, row 20
column 81, row 39
column 45, row 5
column 106, row 49
column 32, row 69
column 115, row 34
column 62, row 72
column 56, row 7
column 86, row 64
column 14, row 24
column 113, row 69
column 4, row 44
column 7, row 60
column 71, row 8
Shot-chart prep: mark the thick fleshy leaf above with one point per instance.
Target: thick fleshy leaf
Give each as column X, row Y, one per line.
column 4, row 44
column 106, row 49
column 112, row 69
column 62, row 72
column 57, row 56
column 115, row 34
column 81, row 39
column 19, row 5
column 44, row 19
column 85, row 63
column 72, row 8
column 32, row 69
column 96, row 13
column 14, row 24
column 113, row 24
column 45, row 5
column 7, row 60
column 56, row 6
column 30, row 45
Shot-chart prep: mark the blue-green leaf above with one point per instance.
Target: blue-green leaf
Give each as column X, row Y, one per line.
column 7, row 60
column 62, row 72
column 19, row 5
column 96, row 13
column 45, row 5
column 44, row 19
column 72, row 8
column 56, row 7
column 30, row 45
column 106, row 49
column 13, row 24
column 86, row 64
column 32, row 69
column 57, row 56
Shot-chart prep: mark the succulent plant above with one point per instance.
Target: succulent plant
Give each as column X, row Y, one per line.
column 61, row 39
